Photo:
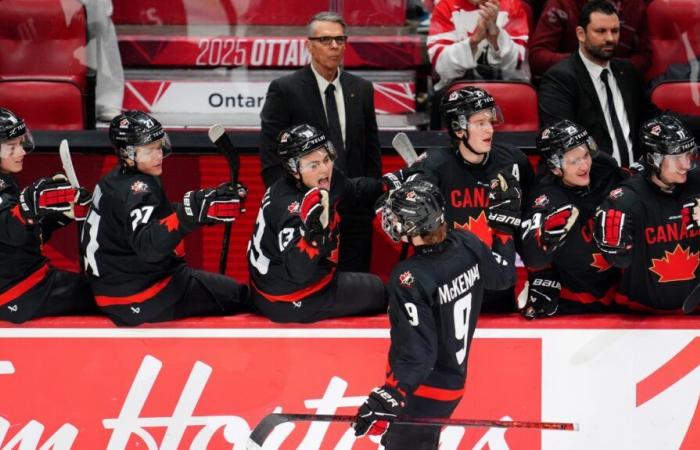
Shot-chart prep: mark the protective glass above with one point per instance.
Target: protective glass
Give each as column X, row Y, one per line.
column 479, row 121
column 686, row 160
column 12, row 147
column 327, row 160
column 161, row 147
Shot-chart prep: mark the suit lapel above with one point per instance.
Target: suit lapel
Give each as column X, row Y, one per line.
column 312, row 93
column 350, row 101
column 586, row 83
column 623, row 82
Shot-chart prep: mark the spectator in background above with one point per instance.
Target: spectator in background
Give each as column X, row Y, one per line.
column 469, row 34
column 554, row 37
column 103, row 56
column 342, row 106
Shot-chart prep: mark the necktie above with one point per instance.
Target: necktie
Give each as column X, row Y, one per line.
column 334, row 131
column 617, row 129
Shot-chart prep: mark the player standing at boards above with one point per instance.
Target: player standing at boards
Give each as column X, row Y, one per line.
column 435, row 297
column 650, row 225
column 132, row 239
column 464, row 172
column 29, row 286
column 567, row 273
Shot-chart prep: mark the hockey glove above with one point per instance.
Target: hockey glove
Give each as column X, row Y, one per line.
column 315, row 213
column 690, row 214
column 557, row 224
column 81, row 205
column 611, row 233
column 209, row 206
column 504, row 203
column 46, row 196
column 542, row 295
column 381, row 407
column 396, row 179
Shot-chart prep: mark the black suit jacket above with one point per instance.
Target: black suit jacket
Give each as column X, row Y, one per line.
column 567, row 92
column 295, row 99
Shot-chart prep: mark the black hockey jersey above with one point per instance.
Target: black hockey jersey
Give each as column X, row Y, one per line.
column 586, row 276
column 664, row 259
column 434, row 300
column 283, row 266
column 131, row 242
column 23, row 264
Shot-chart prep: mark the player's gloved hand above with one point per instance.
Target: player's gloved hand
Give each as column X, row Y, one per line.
column 396, row 179
column 211, row 205
column 81, row 205
column 611, row 232
column 505, row 199
column 46, row 196
column 382, row 406
column 542, row 295
column 557, row 224
column 315, row 213
column 690, row 214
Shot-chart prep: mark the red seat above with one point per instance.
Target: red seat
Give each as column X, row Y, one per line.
column 45, row 104
column 674, row 33
column 517, row 100
column 682, row 97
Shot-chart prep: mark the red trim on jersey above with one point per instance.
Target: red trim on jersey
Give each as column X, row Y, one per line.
column 623, row 300
column 301, row 294
column 24, row 285
column 139, row 297
column 585, row 297
column 17, row 214
column 445, row 395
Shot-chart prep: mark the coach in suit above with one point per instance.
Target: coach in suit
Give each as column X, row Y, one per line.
column 342, row 105
column 604, row 95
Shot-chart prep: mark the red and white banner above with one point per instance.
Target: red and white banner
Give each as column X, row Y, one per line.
column 73, row 385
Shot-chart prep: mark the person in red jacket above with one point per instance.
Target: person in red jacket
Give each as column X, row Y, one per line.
column 554, row 37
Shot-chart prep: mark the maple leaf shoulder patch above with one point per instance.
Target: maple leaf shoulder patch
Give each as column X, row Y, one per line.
column 406, row 279
column 139, row 187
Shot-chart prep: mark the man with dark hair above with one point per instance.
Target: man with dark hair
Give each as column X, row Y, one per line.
column 650, row 225
column 435, row 298
column 554, row 37
column 339, row 104
column 132, row 239
column 603, row 94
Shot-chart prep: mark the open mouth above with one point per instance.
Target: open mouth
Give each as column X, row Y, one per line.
column 324, row 183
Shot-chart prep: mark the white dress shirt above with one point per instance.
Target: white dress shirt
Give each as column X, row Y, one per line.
column 339, row 99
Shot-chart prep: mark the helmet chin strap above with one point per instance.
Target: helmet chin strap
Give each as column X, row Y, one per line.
column 465, row 140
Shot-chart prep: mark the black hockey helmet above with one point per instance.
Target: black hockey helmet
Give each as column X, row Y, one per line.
column 554, row 141
column 12, row 126
column 134, row 128
column 414, row 209
column 665, row 135
column 299, row 140
column 458, row 105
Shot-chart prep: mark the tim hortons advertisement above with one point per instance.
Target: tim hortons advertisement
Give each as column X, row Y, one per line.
column 168, row 389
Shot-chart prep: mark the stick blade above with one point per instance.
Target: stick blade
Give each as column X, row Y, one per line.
column 67, row 163
column 403, row 146
column 215, row 132
column 263, row 429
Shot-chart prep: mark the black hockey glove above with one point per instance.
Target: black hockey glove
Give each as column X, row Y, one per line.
column 396, row 179
column 382, row 406
column 212, row 205
column 611, row 233
column 690, row 214
column 46, row 197
column 542, row 295
column 557, row 224
column 504, row 203
column 315, row 213
column 81, row 205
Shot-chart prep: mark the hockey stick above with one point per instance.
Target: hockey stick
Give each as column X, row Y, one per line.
column 403, row 146
column 269, row 422
column 67, row 163
column 218, row 136
column 692, row 301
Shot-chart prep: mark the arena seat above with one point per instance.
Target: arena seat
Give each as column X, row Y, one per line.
column 680, row 96
column 42, row 43
column 517, row 100
column 674, row 33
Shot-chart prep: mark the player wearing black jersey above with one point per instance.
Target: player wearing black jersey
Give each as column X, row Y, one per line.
column 293, row 253
column 567, row 273
column 435, row 297
column 650, row 225
column 133, row 235
column 29, row 286
column 464, row 172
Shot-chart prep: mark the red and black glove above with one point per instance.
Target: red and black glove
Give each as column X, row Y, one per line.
column 315, row 213
column 81, row 205
column 557, row 224
column 375, row 415
column 45, row 197
column 611, row 233
column 212, row 205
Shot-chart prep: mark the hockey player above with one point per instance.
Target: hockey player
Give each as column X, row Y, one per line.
column 293, row 252
column 567, row 272
column 649, row 225
column 29, row 286
column 435, row 297
column 464, row 172
column 132, row 237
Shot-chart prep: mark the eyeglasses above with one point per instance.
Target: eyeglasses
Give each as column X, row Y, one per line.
column 326, row 40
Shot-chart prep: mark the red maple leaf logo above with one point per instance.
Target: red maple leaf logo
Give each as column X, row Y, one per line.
column 307, row 248
column 171, row 222
column 679, row 265
column 479, row 227
column 600, row 263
